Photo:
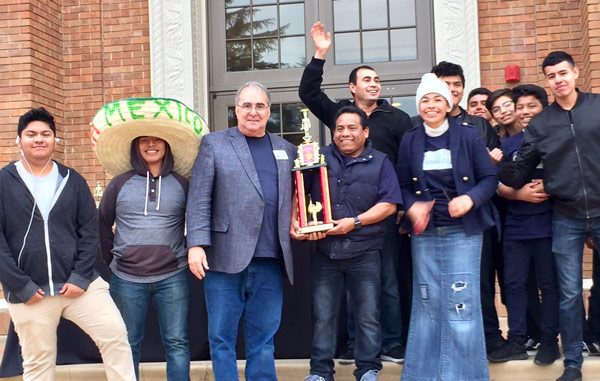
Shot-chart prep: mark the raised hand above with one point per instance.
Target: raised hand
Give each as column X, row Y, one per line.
column 321, row 40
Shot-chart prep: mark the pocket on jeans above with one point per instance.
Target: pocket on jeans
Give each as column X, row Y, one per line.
column 460, row 296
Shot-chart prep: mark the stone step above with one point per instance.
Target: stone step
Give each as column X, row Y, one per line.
column 290, row 370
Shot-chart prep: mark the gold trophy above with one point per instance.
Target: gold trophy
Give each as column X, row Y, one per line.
column 310, row 160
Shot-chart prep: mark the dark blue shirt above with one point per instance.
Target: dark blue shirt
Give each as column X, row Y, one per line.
column 525, row 220
column 264, row 161
column 437, row 166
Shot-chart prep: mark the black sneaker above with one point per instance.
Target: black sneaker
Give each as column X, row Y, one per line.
column 570, row 374
column 511, row 350
column 532, row 346
column 395, row 354
column 492, row 345
column 547, row 354
column 346, row 356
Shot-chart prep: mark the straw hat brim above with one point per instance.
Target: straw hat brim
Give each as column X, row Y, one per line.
column 113, row 132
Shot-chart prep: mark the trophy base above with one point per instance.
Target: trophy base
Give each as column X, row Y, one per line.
column 316, row 228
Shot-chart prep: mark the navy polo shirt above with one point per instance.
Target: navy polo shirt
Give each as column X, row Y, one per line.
column 525, row 220
column 266, row 167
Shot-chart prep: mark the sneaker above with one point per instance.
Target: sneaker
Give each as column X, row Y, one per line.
column 591, row 348
column 511, row 350
column 570, row 374
column 547, row 354
column 313, row 377
column 532, row 346
column 492, row 345
column 371, row 375
column 346, row 356
column 395, row 354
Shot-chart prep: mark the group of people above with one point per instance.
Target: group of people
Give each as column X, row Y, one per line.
column 517, row 199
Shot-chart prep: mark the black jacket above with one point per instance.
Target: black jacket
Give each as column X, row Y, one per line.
column 568, row 145
column 386, row 123
column 70, row 232
column 485, row 130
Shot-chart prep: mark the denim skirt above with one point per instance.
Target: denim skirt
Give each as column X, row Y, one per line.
column 445, row 337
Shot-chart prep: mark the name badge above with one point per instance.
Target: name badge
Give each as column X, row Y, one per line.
column 280, row 154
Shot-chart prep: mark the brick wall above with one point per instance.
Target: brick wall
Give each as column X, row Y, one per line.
column 30, row 65
column 70, row 56
column 523, row 32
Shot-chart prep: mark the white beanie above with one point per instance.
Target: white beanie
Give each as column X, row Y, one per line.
column 430, row 83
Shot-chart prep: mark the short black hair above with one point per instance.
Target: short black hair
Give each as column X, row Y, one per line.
column 447, row 69
column 556, row 57
column 352, row 110
column 33, row 115
column 478, row 91
column 353, row 73
column 530, row 89
column 495, row 95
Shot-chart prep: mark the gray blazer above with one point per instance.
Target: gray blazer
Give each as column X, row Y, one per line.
column 225, row 203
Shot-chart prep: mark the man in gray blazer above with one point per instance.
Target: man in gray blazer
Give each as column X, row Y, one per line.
column 238, row 223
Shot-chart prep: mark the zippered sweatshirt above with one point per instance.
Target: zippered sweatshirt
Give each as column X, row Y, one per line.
column 45, row 254
column 567, row 142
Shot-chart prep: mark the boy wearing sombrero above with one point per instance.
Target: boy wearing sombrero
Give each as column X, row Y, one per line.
column 146, row 203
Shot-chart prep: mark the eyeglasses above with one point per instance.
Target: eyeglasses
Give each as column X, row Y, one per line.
column 258, row 107
column 508, row 105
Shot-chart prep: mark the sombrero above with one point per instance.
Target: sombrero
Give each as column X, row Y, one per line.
column 117, row 123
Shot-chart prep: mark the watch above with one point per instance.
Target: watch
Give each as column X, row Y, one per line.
column 357, row 223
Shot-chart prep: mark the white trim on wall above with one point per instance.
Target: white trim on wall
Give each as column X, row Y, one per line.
column 457, row 38
column 171, row 50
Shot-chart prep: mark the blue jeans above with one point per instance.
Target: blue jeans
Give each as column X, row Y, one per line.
column 445, row 338
column 568, row 238
column 330, row 280
column 171, row 301
column 256, row 294
column 519, row 257
column 391, row 316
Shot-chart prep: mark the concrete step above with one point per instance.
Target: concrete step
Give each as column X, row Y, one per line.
column 291, row 370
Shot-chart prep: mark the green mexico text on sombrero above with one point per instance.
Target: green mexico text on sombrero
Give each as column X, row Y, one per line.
column 133, row 109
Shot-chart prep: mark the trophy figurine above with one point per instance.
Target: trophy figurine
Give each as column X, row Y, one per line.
column 311, row 163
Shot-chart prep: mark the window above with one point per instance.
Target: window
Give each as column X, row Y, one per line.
column 285, row 120
column 268, row 41
column 359, row 37
column 264, row 34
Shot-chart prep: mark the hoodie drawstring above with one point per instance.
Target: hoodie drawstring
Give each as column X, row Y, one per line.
column 159, row 186
column 147, row 189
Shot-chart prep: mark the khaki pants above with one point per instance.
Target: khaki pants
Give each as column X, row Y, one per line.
column 94, row 312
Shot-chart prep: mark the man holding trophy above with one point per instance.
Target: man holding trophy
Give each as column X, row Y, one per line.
column 358, row 192
column 387, row 125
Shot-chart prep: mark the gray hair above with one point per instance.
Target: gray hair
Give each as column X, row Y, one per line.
column 256, row 85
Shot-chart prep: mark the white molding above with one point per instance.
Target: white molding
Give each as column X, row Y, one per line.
column 171, row 50
column 457, row 38
column 200, row 43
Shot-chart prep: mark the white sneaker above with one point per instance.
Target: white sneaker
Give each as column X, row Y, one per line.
column 314, row 377
column 371, row 375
